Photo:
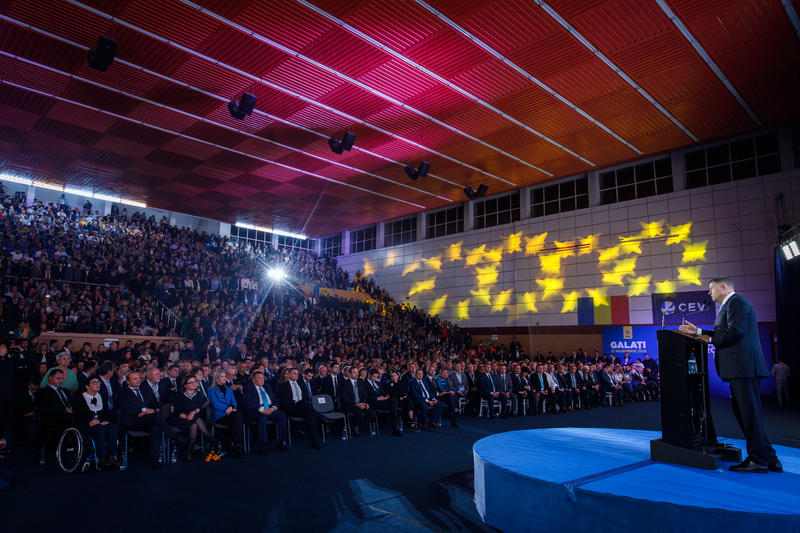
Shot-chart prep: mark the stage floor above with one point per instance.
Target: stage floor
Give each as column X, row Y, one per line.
column 602, row 480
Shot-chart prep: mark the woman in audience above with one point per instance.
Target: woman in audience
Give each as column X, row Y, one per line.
column 188, row 414
column 94, row 418
column 225, row 411
column 70, row 378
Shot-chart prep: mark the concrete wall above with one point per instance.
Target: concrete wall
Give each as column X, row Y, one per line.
column 499, row 276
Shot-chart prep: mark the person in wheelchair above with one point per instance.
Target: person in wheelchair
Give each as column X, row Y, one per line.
column 94, row 419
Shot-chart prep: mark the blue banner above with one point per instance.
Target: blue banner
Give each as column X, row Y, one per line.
column 693, row 306
column 635, row 340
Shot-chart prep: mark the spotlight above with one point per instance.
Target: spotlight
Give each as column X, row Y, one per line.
column 238, row 109
column 471, row 193
column 337, row 146
column 276, row 274
column 102, row 55
column 790, row 250
column 420, row 172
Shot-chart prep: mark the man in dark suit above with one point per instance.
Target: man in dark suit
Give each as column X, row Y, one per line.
column 424, row 399
column 260, row 406
column 354, row 402
column 294, row 400
column 138, row 413
column 55, row 407
column 489, row 391
column 504, row 386
column 168, row 385
column 379, row 397
column 607, row 385
column 539, row 383
column 739, row 361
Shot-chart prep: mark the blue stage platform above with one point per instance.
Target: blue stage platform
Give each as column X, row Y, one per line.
column 582, row 479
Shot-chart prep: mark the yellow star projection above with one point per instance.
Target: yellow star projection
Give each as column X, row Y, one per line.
column 587, row 244
column 639, row 285
column 613, row 278
column 391, row 257
column 694, row 252
column 550, row 286
column 529, row 302
column 665, row 287
column 368, row 269
column 486, row 275
column 462, row 310
column 570, row 302
column 625, row 266
column 494, row 256
column 501, row 301
column 689, row 275
column 513, row 243
column 651, row 230
column 679, row 233
column 437, row 305
column 421, row 286
column 454, row 252
column 600, row 296
column 475, row 255
column 534, row 245
column 413, row 267
column 565, row 248
column 630, row 245
column 434, row 262
column 609, row 254
column 482, row 296
column 551, row 263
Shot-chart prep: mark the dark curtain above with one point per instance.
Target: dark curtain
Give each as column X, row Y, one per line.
column 787, row 313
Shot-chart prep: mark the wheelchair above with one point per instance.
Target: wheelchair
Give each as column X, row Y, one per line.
column 75, row 451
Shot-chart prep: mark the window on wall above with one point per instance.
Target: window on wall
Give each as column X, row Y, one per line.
column 636, row 181
column 560, row 197
column 362, row 240
column 737, row 160
column 444, row 222
column 300, row 244
column 254, row 237
column 400, row 231
column 332, row 245
column 496, row 211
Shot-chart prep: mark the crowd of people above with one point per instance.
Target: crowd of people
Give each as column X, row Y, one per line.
column 241, row 356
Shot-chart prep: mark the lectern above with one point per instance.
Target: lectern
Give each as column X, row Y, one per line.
column 687, row 430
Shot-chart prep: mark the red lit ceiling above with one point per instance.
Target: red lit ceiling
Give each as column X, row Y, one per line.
column 508, row 93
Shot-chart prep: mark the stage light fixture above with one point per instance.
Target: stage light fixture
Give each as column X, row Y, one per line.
column 240, row 108
column 346, row 144
column 790, row 250
column 276, row 274
column 102, row 55
column 471, row 193
column 420, row 172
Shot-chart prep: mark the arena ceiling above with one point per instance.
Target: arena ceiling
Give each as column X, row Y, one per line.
column 507, row 93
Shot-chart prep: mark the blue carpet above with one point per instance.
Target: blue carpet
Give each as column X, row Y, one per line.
column 604, row 477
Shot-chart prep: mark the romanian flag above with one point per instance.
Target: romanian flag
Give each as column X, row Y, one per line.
column 616, row 313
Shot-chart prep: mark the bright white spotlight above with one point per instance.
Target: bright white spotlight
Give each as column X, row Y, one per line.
column 276, row 274
column 794, row 248
column 787, row 252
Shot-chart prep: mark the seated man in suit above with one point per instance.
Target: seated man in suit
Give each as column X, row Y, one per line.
column 458, row 381
column 607, row 385
column 489, row 391
column 539, row 382
column 564, row 384
column 354, row 402
column 577, row 385
column 150, row 388
column 137, row 414
column 168, row 385
column 522, row 389
column 55, row 407
column 295, row 402
column 379, row 398
column 502, row 382
column 556, row 393
column 425, row 399
column 260, row 406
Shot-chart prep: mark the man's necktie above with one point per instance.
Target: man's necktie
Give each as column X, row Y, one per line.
column 424, row 390
column 355, row 391
column 139, row 395
column 63, row 397
column 264, row 397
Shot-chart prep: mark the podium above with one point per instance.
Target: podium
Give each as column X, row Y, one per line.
column 687, row 429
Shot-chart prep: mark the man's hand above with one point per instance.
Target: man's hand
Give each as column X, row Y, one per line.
column 93, row 422
column 229, row 410
column 688, row 328
column 69, row 410
column 270, row 410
